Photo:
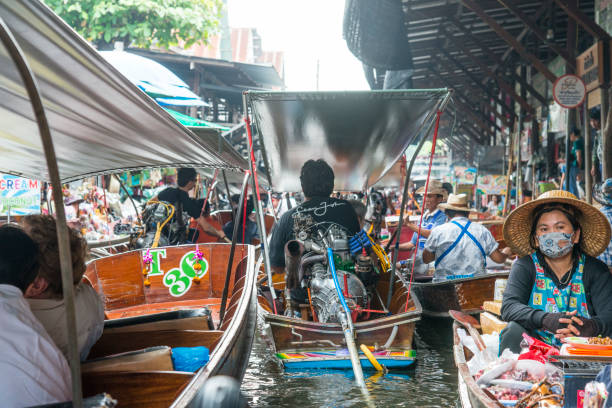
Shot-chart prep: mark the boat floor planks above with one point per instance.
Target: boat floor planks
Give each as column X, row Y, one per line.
column 302, row 343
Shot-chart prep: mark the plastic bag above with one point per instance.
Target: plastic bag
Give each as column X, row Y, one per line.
column 189, row 359
column 484, row 358
column 538, row 350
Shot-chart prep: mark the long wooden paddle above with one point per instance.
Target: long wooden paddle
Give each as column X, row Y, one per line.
column 470, row 323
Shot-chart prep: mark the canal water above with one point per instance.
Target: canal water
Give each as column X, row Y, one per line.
column 432, row 382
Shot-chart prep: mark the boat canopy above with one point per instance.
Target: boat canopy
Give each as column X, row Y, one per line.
column 100, row 122
column 361, row 134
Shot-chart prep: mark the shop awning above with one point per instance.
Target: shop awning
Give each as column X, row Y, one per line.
column 360, row 134
column 100, row 121
column 153, row 78
column 187, row 120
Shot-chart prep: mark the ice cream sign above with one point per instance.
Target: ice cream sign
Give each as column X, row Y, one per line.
column 18, row 195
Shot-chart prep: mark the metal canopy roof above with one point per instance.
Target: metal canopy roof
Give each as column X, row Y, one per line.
column 100, row 122
column 360, row 134
column 451, row 45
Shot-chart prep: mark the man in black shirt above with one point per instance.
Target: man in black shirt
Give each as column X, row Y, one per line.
column 179, row 197
column 317, row 179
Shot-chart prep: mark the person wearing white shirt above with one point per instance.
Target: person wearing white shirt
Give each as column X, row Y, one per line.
column 45, row 294
column 460, row 247
column 32, row 369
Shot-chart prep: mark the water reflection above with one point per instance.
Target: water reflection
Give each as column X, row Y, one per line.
column 432, row 382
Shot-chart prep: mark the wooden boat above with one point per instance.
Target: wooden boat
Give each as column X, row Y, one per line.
column 470, row 394
column 174, row 306
column 464, row 294
column 305, row 344
column 360, row 152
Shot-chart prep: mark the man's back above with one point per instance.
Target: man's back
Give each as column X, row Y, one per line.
column 321, row 209
column 465, row 258
column 33, row 370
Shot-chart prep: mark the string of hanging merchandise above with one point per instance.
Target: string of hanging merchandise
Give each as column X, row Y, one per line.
column 416, row 249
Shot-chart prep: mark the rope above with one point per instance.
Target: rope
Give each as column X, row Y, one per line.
column 160, row 227
column 431, row 156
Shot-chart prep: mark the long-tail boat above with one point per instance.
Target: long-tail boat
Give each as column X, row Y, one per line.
column 470, row 393
column 172, row 305
column 463, row 294
column 361, row 135
column 68, row 114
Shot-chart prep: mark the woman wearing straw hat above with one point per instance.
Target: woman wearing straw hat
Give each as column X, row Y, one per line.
column 557, row 288
column 459, row 247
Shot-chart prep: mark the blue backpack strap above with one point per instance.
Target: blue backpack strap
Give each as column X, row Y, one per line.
column 482, row 251
column 454, row 244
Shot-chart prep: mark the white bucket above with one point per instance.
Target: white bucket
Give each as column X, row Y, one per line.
column 500, row 287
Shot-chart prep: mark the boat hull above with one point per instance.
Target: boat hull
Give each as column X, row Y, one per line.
column 470, row 394
column 312, row 345
column 466, row 295
column 171, row 285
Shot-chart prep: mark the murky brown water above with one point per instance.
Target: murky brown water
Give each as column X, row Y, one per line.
column 432, row 382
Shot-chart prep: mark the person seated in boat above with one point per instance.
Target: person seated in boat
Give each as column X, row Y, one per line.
column 250, row 230
column 179, row 197
column 45, row 294
column 557, row 288
column 317, row 180
column 432, row 217
column 460, row 247
column 33, row 370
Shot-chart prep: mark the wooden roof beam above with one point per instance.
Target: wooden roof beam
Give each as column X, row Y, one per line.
column 532, row 25
column 478, row 119
column 490, row 55
column 518, row 47
column 502, row 84
column 583, row 20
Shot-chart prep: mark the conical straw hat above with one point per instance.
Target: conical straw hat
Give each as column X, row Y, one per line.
column 595, row 228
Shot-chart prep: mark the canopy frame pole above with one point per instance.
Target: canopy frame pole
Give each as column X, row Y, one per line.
column 129, row 197
column 398, row 231
column 228, row 272
column 261, row 224
column 227, row 189
column 31, row 86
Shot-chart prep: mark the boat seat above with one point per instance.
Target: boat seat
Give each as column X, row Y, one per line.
column 150, row 359
column 115, row 342
column 154, row 308
column 194, row 319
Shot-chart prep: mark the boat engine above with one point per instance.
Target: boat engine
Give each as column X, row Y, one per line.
column 375, row 212
column 308, row 269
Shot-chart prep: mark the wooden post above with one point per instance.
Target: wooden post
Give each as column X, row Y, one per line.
column 588, row 179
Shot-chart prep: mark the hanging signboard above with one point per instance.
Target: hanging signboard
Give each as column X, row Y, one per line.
column 492, row 184
column 589, row 66
column 569, row 91
column 465, row 175
column 19, row 196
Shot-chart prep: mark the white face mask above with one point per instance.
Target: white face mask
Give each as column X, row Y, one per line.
column 556, row 244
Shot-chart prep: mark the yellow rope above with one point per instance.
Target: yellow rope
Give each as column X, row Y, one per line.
column 380, row 254
column 160, row 227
